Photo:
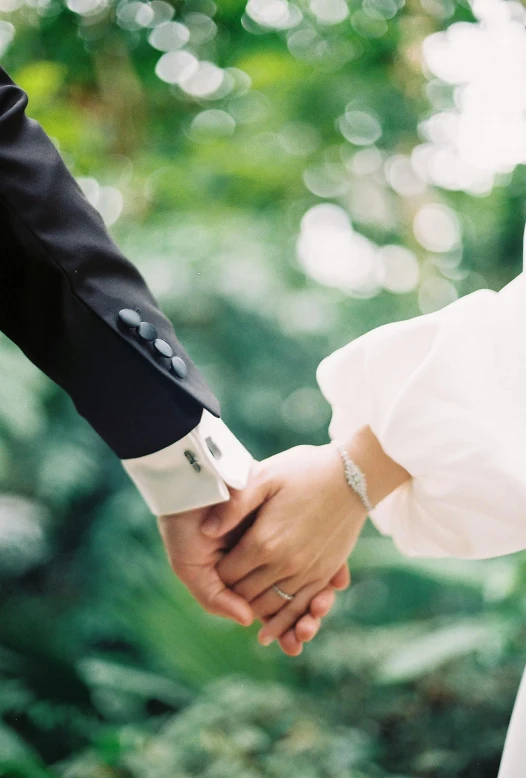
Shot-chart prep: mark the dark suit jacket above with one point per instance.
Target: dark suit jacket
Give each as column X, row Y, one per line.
column 63, row 282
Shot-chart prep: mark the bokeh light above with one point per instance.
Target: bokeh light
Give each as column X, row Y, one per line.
column 304, row 410
column 201, row 27
column 332, row 253
column 484, row 132
column 402, row 176
column 22, row 538
column 108, row 200
column 169, row 36
column 134, row 15
column 274, row 14
column 211, row 124
column 175, row 65
column 435, row 293
column 398, row 269
column 7, row 33
column 329, row 11
column 436, row 228
column 8, row 6
column 359, row 127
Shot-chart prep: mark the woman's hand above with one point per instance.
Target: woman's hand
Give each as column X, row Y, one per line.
column 307, row 524
column 194, row 556
column 306, row 627
column 303, row 533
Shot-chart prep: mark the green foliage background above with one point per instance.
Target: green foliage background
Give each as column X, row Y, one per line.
column 107, row 667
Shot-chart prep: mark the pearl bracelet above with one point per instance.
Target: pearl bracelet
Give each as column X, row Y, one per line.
column 355, row 477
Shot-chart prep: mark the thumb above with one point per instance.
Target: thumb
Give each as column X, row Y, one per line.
column 226, row 516
column 231, row 605
column 209, row 590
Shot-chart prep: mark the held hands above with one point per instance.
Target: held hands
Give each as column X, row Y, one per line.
column 307, row 525
column 194, row 558
column 292, row 527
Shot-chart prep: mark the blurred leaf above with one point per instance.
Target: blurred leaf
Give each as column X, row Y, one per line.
column 17, row 758
column 42, row 80
column 426, row 653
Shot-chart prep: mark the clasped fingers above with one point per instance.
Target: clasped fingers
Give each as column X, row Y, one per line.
column 256, row 552
column 289, row 613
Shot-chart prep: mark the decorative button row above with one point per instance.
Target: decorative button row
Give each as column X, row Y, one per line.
column 148, row 332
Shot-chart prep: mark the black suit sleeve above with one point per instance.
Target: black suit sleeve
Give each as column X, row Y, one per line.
column 62, row 284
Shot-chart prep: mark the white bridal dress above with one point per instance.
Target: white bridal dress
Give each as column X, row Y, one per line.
column 445, row 394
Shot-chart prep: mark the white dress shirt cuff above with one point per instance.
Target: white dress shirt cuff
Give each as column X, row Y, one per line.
column 194, row 472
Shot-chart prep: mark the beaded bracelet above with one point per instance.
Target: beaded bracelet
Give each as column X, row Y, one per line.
column 355, row 477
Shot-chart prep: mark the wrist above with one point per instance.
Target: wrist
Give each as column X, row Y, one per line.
column 383, row 475
column 346, row 496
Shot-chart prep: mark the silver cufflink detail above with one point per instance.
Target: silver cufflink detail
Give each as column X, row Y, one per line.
column 193, row 460
column 213, row 448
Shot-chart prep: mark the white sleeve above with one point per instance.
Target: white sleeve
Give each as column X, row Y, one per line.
column 193, row 472
column 445, row 394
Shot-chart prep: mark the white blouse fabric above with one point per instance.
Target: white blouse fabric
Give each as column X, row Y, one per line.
column 445, row 394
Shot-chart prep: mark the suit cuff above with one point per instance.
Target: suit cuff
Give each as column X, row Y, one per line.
column 194, row 472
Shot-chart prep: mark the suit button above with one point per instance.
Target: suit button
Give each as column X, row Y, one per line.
column 129, row 318
column 147, row 331
column 179, row 367
column 163, row 348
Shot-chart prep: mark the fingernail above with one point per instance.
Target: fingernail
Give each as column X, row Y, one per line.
column 210, row 525
column 266, row 640
column 245, row 621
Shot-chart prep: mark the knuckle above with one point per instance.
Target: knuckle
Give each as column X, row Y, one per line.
column 267, row 546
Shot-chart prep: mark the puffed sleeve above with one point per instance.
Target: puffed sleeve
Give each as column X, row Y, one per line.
column 445, row 394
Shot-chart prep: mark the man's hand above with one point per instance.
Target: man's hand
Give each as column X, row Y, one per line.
column 194, row 556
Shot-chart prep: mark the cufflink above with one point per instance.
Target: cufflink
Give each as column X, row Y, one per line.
column 213, row 448
column 193, row 460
